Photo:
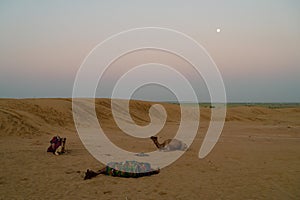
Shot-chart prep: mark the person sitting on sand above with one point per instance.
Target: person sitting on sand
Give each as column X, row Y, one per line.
column 57, row 145
column 128, row 169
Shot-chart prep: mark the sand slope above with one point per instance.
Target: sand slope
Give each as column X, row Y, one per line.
column 257, row 156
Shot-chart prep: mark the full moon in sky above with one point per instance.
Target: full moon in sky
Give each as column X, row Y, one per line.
column 218, row 30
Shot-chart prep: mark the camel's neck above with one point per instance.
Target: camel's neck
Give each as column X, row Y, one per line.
column 157, row 144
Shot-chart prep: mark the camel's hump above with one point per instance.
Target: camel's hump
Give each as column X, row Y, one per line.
column 176, row 145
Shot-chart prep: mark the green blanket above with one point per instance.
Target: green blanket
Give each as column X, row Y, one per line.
column 129, row 169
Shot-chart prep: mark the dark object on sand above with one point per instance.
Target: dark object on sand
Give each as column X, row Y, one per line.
column 128, row 169
column 142, row 154
column 57, row 145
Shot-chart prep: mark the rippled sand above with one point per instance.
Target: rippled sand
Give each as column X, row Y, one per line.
column 257, row 156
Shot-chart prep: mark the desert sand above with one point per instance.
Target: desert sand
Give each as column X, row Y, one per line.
column 257, row 156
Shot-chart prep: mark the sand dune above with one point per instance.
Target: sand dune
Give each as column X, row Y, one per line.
column 39, row 116
column 257, row 156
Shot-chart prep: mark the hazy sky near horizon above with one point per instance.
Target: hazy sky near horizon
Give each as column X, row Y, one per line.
column 43, row 43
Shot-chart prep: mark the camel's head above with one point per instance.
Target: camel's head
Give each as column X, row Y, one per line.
column 153, row 138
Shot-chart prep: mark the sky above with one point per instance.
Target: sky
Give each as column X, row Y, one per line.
column 257, row 51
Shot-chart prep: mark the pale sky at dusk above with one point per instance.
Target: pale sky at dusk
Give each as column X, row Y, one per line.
column 43, row 43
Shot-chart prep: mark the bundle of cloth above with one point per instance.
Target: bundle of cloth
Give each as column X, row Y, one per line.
column 57, row 145
column 127, row 169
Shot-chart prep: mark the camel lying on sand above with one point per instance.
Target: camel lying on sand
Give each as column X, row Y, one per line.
column 169, row 144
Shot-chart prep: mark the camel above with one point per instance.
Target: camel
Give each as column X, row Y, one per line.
column 169, row 144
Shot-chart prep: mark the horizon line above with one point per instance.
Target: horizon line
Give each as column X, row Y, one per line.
column 162, row 101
